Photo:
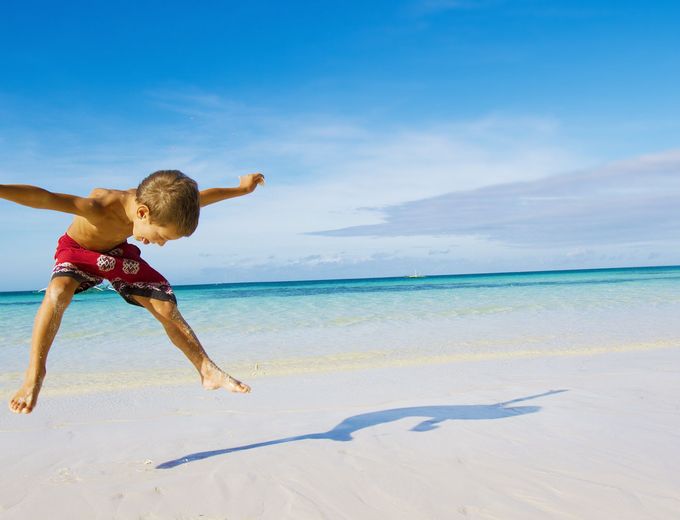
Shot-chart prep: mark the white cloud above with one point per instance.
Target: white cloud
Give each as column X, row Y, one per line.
column 625, row 202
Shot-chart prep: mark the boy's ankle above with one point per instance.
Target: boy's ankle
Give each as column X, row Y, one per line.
column 35, row 377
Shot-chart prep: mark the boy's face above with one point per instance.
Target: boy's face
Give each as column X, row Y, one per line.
column 150, row 233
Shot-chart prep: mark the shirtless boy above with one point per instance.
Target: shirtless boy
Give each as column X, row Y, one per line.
column 165, row 206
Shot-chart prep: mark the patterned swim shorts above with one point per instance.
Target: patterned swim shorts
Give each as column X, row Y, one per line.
column 122, row 266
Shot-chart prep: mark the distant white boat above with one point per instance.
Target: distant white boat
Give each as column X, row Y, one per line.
column 415, row 275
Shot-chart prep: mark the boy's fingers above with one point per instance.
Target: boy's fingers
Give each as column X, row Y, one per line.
column 257, row 177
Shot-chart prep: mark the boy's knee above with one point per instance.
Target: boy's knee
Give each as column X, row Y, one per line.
column 165, row 311
column 61, row 289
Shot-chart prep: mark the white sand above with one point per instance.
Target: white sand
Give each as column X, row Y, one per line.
column 606, row 448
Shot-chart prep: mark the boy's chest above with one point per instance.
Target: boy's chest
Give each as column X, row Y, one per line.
column 101, row 235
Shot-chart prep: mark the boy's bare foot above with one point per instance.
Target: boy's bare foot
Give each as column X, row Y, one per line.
column 26, row 398
column 213, row 377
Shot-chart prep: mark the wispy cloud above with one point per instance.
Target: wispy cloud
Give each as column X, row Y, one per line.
column 625, row 202
column 430, row 7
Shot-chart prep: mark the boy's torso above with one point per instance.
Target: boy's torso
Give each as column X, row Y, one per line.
column 111, row 227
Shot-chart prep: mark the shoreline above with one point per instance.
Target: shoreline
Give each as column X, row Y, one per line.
column 64, row 383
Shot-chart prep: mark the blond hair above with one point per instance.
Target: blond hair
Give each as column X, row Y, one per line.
column 172, row 198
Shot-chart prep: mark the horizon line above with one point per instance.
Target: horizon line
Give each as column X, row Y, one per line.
column 398, row 277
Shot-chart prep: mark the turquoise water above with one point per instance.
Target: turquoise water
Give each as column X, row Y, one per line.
column 260, row 329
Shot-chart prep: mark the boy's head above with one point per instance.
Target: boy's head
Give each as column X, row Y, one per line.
column 167, row 201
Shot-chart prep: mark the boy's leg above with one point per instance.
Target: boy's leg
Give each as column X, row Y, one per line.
column 58, row 295
column 183, row 337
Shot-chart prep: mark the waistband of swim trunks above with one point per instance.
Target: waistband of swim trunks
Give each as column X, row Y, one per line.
column 68, row 241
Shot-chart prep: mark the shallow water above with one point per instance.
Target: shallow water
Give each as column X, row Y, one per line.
column 255, row 329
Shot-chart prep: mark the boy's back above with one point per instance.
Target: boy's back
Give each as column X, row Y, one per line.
column 106, row 224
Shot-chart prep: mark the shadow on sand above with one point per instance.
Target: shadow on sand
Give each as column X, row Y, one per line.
column 343, row 431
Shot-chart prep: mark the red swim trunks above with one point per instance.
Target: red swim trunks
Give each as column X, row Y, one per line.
column 122, row 266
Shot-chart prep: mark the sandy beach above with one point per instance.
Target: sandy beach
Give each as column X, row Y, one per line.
column 563, row 437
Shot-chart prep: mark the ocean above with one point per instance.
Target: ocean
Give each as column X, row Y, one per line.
column 269, row 329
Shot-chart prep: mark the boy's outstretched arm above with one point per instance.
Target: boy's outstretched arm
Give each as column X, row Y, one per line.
column 247, row 185
column 40, row 198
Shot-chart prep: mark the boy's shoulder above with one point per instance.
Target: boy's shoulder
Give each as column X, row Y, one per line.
column 105, row 202
column 106, row 197
column 97, row 193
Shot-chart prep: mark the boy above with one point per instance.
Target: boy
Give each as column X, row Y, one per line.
column 165, row 206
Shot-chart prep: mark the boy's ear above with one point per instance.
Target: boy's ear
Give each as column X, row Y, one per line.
column 142, row 212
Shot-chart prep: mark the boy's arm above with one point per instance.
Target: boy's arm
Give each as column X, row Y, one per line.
column 248, row 183
column 40, row 198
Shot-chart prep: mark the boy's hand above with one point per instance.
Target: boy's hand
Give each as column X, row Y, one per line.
column 249, row 182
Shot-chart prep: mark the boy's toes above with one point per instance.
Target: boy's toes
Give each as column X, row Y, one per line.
column 238, row 386
column 20, row 406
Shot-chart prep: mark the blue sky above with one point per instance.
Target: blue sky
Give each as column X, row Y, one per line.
column 441, row 136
